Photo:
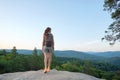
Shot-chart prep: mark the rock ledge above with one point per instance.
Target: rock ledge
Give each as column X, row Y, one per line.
column 53, row 75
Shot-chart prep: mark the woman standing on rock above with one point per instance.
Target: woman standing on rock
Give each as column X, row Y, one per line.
column 47, row 48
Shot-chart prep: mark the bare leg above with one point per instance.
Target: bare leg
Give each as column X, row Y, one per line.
column 45, row 62
column 49, row 61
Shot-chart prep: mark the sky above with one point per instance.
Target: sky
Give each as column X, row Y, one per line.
column 76, row 24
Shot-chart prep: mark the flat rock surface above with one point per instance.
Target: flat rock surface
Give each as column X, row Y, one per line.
column 53, row 75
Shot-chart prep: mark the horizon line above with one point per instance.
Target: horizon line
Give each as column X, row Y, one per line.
column 64, row 50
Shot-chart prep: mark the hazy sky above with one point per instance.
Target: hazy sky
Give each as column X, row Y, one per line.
column 76, row 24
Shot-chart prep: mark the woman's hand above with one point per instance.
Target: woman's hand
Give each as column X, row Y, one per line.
column 53, row 47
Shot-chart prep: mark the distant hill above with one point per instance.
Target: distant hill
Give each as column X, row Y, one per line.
column 66, row 53
column 23, row 51
column 113, row 60
column 112, row 57
column 27, row 51
column 108, row 54
column 77, row 54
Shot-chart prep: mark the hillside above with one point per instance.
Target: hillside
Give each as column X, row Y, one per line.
column 53, row 75
column 107, row 54
column 67, row 53
column 113, row 60
column 77, row 54
column 111, row 57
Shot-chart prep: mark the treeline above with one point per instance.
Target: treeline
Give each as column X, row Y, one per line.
column 14, row 62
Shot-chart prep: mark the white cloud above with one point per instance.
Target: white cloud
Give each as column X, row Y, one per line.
column 96, row 45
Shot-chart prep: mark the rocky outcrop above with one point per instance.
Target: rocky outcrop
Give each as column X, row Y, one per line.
column 53, row 75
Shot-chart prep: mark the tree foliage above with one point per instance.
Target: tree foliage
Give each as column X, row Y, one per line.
column 112, row 34
column 35, row 60
column 14, row 52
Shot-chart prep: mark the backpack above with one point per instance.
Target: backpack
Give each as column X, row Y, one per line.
column 48, row 40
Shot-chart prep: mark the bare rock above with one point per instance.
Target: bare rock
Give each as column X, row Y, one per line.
column 53, row 75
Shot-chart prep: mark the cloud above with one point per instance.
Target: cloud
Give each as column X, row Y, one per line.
column 92, row 42
column 96, row 45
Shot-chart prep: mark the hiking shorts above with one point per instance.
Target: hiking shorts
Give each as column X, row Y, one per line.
column 48, row 49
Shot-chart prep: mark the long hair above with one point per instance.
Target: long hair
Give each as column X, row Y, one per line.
column 46, row 31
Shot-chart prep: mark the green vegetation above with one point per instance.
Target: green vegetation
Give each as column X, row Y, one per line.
column 113, row 32
column 14, row 62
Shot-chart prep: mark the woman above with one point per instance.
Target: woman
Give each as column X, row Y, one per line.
column 47, row 48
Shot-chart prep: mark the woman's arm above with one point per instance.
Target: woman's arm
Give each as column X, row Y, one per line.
column 43, row 43
column 53, row 42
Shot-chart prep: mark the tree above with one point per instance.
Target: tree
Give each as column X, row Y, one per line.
column 3, row 52
column 113, row 33
column 14, row 51
column 55, row 61
column 71, row 66
column 41, row 58
column 117, row 75
column 35, row 60
column 88, row 67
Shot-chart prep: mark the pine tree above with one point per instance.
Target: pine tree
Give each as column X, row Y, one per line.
column 41, row 59
column 35, row 60
column 14, row 51
column 113, row 32
column 3, row 52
